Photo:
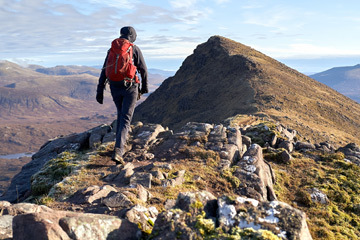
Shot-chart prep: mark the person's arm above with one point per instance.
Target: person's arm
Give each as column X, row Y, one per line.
column 141, row 67
column 102, row 78
column 101, row 83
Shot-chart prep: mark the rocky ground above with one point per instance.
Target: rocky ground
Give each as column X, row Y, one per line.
column 248, row 178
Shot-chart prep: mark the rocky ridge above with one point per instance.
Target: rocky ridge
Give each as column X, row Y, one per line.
column 204, row 181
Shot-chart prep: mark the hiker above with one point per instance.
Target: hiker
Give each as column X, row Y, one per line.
column 126, row 90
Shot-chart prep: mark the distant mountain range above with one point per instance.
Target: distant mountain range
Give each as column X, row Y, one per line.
column 345, row 80
column 38, row 91
column 38, row 103
column 223, row 78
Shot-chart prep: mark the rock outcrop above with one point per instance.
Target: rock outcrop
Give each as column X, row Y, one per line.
column 255, row 175
column 352, row 152
column 31, row 221
column 153, row 158
column 193, row 218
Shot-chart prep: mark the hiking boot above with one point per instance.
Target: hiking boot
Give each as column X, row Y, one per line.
column 117, row 158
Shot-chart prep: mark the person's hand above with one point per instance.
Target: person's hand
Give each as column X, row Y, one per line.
column 100, row 97
column 144, row 89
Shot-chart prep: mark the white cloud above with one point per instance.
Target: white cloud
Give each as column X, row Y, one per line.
column 305, row 50
column 183, row 3
column 190, row 11
column 221, row 1
column 121, row 4
column 276, row 17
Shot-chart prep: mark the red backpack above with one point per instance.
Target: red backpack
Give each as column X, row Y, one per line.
column 119, row 65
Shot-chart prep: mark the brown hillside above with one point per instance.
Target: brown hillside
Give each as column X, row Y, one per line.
column 223, row 78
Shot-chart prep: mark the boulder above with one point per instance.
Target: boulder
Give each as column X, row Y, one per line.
column 194, row 131
column 217, row 138
column 318, row 196
column 122, row 178
column 97, row 134
column 143, row 194
column 178, row 180
column 273, row 141
column 70, row 225
column 246, row 140
column 145, row 217
column 4, row 204
column 141, row 178
column 117, row 200
column 172, row 224
column 24, row 208
column 6, row 227
column 285, row 157
column 250, row 217
column 304, row 146
column 277, row 217
column 352, row 152
column 234, row 137
column 256, row 175
column 288, row 145
column 230, row 152
column 91, row 194
column 39, row 226
column 146, row 134
column 99, row 227
column 203, row 200
column 109, row 137
column 289, row 134
column 70, row 142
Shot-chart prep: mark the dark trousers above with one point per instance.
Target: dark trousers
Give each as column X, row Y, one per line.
column 125, row 100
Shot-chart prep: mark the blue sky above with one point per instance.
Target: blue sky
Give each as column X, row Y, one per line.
column 308, row 35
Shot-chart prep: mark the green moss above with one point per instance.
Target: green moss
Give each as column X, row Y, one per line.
column 46, row 200
column 228, row 175
column 333, row 156
column 303, row 198
column 262, row 132
column 296, row 155
column 336, row 178
column 53, row 172
column 204, row 226
column 196, row 205
column 243, row 234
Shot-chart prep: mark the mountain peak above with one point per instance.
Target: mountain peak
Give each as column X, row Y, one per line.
column 231, row 46
column 223, row 78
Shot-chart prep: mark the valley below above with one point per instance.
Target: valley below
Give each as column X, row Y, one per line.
column 19, row 137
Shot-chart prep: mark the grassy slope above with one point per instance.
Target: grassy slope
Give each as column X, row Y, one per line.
column 333, row 176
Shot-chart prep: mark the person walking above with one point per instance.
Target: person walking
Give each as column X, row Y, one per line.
column 126, row 90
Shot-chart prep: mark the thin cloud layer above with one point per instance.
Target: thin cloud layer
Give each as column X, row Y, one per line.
column 52, row 32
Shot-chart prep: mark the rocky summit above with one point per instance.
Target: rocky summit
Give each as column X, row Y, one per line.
column 260, row 180
column 223, row 78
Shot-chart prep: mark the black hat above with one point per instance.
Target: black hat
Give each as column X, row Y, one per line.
column 128, row 33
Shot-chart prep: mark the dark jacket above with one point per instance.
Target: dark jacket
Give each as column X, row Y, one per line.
column 129, row 33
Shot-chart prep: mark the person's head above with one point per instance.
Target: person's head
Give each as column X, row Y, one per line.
column 129, row 33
